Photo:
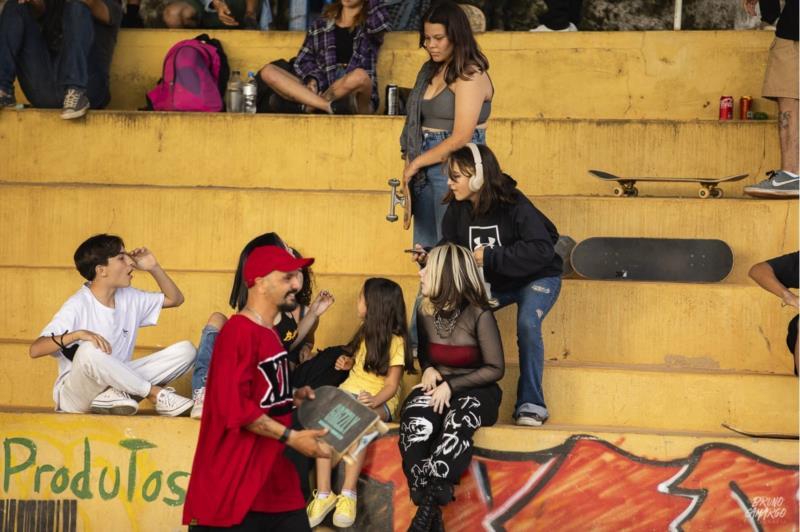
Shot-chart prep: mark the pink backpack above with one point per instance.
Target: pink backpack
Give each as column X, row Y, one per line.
column 190, row 79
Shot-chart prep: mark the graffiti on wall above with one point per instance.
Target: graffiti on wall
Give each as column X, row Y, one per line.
column 22, row 464
column 587, row 481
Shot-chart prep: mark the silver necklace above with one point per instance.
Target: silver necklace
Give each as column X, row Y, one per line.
column 444, row 326
column 256, row 315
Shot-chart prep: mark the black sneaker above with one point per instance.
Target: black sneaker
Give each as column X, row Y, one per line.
column 529, row 419
column 75, row 104
column 7, row 99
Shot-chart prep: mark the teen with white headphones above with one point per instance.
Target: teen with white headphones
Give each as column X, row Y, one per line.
column 514, row 244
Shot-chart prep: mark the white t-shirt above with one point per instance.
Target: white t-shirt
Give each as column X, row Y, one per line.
column 119, row 326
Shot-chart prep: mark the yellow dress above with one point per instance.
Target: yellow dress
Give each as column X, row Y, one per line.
column 360, row 380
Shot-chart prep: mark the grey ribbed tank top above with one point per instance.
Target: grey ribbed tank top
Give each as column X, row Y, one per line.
column 440, row 111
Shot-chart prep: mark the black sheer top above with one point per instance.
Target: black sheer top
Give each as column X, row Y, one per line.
column 470, row 356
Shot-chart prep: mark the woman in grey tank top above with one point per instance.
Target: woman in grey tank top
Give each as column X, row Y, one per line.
column 448, row 107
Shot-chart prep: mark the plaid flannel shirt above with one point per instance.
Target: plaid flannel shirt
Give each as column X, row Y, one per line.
column 317, row 56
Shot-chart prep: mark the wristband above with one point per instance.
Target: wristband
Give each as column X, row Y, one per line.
column 285, row 436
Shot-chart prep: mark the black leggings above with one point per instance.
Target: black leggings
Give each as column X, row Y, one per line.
column 440, row 445
column 295, row 521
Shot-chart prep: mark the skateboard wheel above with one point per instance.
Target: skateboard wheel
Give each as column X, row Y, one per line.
column 381, row 427
column 619, row 192
column 703, row 193
column 394, row 182
column 716, row 193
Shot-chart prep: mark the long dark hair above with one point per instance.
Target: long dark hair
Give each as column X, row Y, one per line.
column 238, row 298
column 467, row 58
column 497, row 189
column 386, row 317
column 303, row 297
column 334, row 12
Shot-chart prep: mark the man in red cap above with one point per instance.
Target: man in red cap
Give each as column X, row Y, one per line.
column 241, row 479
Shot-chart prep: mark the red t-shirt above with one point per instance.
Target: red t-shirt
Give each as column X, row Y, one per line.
column 236, row 471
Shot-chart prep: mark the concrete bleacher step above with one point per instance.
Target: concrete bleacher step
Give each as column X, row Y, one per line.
column 582, row 74
column 653, row 325
column 290, row 153
column 152, row 457
column 203, row 229
column 576, row 394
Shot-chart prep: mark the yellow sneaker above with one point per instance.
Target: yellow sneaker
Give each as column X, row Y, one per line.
column 319, row 508
column 345, row 514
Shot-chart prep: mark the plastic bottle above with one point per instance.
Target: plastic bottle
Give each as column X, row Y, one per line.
column 233, row 93
column 249, row 94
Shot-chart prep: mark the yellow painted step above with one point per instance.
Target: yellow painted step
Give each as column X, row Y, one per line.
column 205, row 229
column 707, row 327
column 618, row 396
column 582, row 74
column 153, row 478
column 547, row 157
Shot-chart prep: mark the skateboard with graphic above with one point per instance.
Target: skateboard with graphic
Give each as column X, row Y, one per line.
column 351, row 425
column 402, row 198
column 626, row 186
column 676, row 260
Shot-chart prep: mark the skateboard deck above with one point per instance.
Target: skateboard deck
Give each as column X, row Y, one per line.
column 626, row 186
column 679, row 260
column 765, row 435
column 400, row 197
column 351, row 425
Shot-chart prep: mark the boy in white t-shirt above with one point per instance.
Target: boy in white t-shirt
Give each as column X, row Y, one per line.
column 93, row 335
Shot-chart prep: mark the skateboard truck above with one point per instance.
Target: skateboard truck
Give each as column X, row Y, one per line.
column 395, row 200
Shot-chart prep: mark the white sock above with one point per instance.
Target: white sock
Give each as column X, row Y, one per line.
column 349, row 494
column 323, row 494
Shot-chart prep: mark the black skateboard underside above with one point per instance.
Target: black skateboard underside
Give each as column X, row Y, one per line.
column 653, row 259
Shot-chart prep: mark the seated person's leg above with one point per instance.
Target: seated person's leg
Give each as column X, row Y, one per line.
column 163, row 367
column 355, row 82
column 289, row 86
column 207, row 340
column 793, row 341
column 84, row 23
column 24, row 55
column 92, row 372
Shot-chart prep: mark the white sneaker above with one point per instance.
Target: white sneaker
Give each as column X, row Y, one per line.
column 114, row 402
column 169, row 403
column 198, row 396
column 542, row 27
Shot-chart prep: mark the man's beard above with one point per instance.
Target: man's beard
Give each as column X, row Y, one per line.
column 288, row 307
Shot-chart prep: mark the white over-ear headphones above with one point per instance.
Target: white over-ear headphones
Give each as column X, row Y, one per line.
column 476, row 181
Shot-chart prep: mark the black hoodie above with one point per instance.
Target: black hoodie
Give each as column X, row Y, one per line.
column 518, row 237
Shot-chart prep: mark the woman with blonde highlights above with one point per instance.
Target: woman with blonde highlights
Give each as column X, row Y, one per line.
column 461, row 357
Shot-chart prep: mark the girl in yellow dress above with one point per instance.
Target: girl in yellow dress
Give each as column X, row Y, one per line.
column 381, row 353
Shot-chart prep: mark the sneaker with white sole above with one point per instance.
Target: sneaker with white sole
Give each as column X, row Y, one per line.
column 319, row 508
column 76, row 103
column 114, row 402
column 169, row 403
column 198, row 396
column 529, row 419
column 779, row 184
column 345, row 514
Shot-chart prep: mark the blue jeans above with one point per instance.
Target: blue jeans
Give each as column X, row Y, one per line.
column 534, row 301
column 428, row 192
column 207, row 340
column 43, row 75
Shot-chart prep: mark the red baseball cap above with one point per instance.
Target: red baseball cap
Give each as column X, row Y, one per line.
column 266, row 259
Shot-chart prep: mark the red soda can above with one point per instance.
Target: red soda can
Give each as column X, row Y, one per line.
column 726, row 108
column 745, row 108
